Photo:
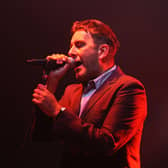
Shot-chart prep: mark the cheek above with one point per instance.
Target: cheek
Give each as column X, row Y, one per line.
column 92, row 61
column 89, row 56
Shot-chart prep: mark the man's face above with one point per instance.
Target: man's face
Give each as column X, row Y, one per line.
column 83, row 48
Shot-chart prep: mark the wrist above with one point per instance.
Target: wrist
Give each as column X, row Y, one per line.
column 52, row 86
column 59, row 111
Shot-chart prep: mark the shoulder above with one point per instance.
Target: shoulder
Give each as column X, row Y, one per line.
column 131, row 88
column 122, row 80
column 127, row 79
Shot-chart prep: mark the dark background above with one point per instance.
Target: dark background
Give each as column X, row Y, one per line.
column 35, row 29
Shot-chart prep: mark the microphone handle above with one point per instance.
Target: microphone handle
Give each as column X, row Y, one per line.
column 48, row 65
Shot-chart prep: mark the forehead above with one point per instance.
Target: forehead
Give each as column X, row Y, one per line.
column 81, row 35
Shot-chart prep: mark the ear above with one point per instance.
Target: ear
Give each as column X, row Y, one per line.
column 103, row 51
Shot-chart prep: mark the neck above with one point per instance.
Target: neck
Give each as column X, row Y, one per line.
column 107, row 66
column 106, row 63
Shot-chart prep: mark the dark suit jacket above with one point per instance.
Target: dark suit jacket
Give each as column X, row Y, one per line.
column 110, row 128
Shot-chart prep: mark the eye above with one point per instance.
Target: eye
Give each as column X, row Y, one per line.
column 79, row 44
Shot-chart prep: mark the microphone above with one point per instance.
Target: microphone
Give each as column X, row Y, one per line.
column 49, row 65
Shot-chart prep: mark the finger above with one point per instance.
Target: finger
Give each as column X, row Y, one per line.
column 36, row 101
column 37, row 96
column 57, row 57
column 39, row 92
column 41, row 87
column 52, row 57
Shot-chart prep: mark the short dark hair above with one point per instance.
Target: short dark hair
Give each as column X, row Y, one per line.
column 100, row 32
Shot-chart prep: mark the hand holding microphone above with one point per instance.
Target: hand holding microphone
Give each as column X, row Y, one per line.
column 53, row 62
column 59, row 64
column 55, row 66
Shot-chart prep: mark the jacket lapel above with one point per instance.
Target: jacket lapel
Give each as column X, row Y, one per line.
column 102, row 90
column 76, row 99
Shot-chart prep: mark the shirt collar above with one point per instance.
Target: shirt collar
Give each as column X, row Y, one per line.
column 103, row 77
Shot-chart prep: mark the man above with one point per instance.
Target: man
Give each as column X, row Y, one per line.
column 99, row 121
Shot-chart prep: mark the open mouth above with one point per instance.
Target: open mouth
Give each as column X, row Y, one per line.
column 77, row 69
column 78, row 64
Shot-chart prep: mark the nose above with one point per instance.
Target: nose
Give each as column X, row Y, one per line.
column 72, row 52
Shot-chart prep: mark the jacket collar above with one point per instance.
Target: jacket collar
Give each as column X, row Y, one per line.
column 103, row 89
